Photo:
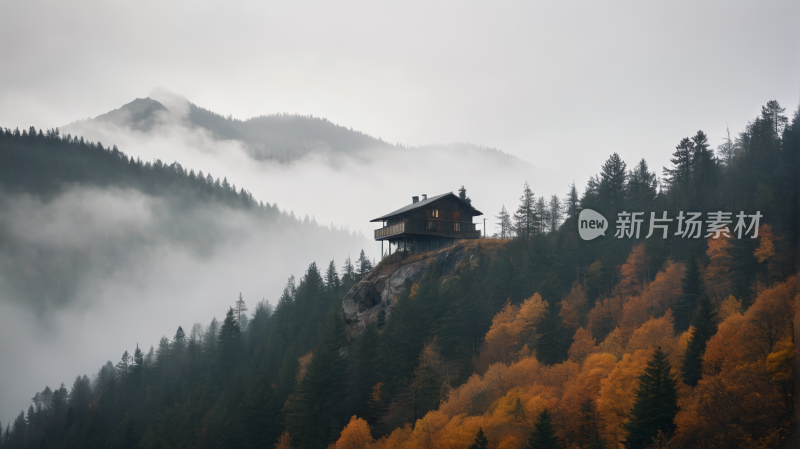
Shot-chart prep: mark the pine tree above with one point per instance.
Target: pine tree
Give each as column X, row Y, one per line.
column 506, row 228
column 704, row 170
column 613, row 183
column 123, row 366
column 555, row 214
column 705, row 326
column 656, row 403
column 553, row 339
column 136, row 368
column 480, row 441
column 241, row 312
column 540, row 214
column 687, row 302
column 572, row 202
column 772, row 113
column 543, row 435
column 364, row 266
column 332, row 282
column 178, row 344
column 525, row 218
column 679, row 176
column 313, row 416
column 462, row 193
column 228, row 341
column 348, row 275
column 642, row 188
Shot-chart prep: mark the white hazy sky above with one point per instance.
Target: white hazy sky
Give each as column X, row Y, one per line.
column 559, row 84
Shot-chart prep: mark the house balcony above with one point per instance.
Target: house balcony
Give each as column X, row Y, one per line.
column 434, row 228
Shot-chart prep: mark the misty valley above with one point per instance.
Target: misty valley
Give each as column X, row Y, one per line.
column 452, row 336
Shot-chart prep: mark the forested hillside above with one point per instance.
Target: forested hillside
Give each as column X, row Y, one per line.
column 546, row 341
column 129, row 207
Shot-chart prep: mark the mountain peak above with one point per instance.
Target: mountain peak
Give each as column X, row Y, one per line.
column 140, row 114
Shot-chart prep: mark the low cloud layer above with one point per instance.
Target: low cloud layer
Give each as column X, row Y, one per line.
column 91, row 273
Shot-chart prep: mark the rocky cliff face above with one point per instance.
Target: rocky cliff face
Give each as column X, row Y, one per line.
column 382, row 287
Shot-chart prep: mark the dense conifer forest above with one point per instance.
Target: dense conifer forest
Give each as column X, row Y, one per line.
column 547, row 341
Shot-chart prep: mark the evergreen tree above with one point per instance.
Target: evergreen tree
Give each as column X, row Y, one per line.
column 525, row 217
column 773, row 113
column 555, row 214
column 704, row 170
column 679, row 176
column 462, row 193
column 228, row 341
column 540, row 214
column 642, row 188
column 364, row 266
column 210, row 337
column 178, row 344
column 314, row 416
column 480, row 441
column 349, row 276
column 553, row 339
column 705, row 326
column 332, row 282
column 506, row 228
column 656, row 403
column 543, row 435
column 572, row 202
column 613, row 183
column 136, row 369
column 123, row 366
column 241, row 312
column 687, row 302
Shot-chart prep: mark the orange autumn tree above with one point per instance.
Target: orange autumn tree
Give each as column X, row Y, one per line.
column 745, row 395
column 573, row 307
column 356, row 435
column 583, row 344
column 766, row 245
column 634, row 272
column 509, row 329
column 717, row 273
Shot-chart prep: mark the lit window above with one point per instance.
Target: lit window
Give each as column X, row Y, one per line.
column 457, row 226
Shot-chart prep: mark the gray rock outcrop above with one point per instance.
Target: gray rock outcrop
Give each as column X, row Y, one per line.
column 380, row 290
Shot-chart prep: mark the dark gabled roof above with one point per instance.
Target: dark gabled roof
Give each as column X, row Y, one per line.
column 423, row 203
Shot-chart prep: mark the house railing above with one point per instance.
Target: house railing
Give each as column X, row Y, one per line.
column 428, row 226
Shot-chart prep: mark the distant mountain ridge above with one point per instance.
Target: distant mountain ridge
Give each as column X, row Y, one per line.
column 281, row 137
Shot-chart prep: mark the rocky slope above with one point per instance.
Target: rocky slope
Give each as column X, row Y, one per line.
column 382, row 287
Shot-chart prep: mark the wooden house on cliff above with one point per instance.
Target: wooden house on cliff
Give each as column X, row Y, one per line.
column 428, row 224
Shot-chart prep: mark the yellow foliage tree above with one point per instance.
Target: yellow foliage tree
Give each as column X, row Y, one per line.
column 509, row 328
column 667, row 287
column 617, row 395
column 652, row 334
column 583, row 344
column 634, row 272
column 729, row 307
column 356, row 435
column 766, row 244
column 743, row 398
column 717, row 273
column 573, row 307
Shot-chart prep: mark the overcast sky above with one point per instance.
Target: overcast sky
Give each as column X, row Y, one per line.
column 559, row 84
